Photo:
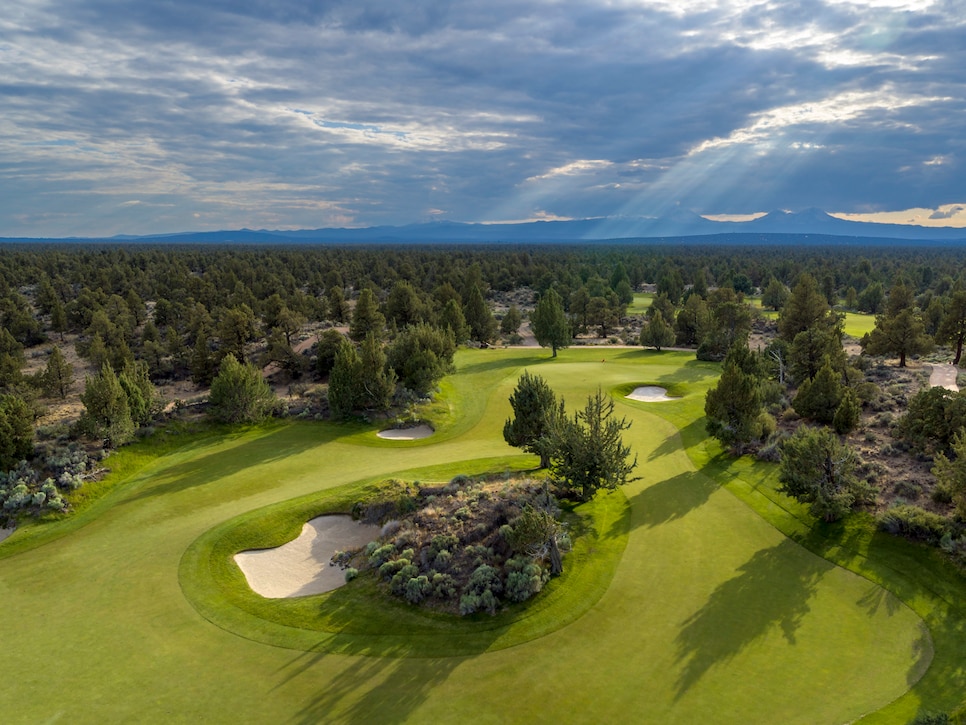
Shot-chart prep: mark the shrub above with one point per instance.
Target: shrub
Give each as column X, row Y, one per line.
column 380, row 554
column 351, row 573
column 400, row 580
column 417, row 589
column 942, row 493
column 914, row 523
column 908, row 489
column 444, row 586
column 525, row 579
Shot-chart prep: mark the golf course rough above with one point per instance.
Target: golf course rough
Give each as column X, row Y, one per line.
column 711, row 613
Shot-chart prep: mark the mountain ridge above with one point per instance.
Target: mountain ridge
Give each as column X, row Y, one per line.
column 679, row 225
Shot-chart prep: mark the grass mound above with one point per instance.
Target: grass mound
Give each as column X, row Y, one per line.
column 361, row 618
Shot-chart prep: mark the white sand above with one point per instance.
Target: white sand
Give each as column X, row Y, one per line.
column 302, row 567
column 4, row 533
column 407, row 434
column 650, row 394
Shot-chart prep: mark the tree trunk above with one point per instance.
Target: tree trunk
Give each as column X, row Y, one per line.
column 902, row 359
column 556, row 564
column 554, row 348
column 959, row 350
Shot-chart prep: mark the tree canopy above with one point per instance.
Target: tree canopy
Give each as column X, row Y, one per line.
column 535, row 412
column 239, row 393
column 589, row 453
column 549, row 322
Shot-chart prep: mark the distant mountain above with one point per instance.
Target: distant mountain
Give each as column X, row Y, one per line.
column 777, row 227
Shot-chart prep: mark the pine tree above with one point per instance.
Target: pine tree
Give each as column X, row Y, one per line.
column 803, row 309
column 899, row 330
column 953, row 327
column 16, row 431
column 344, row 392
column 366, row 318
column 325, row 350
column 478, row 316
column 819, row 398
column 588, row 450
column 535, row 410
column 107, row 413
column 142, row 397
column 657, row 333
column 511, row 321
column 817, row 469
column 239, row 393
column 734, row 405
column 847, row 414
column 58, row 375
column 202, row 362
column 451, row 317
column 377, row 382
column 549, row 322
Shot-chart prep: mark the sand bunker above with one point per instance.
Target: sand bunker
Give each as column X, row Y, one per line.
column 650, row 394
column 407, row 434
column 301, row 567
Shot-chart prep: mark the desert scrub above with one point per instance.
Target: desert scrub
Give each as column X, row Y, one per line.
column 466, row 546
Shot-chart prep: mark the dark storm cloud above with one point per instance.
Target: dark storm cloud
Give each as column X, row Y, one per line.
column 149, row 117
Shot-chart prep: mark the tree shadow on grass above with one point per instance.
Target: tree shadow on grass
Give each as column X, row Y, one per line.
column 767, row 592
column 671, row 499
column 671, row 445
column 503, row 362
column 383, row 676
column 372, row 689
column 210, row 467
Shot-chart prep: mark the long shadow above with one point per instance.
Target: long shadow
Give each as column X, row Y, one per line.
column 385, row 688
column 211, row 467
column 502, row 363
column 373, row 689
column 766, row 593
column 671, row 444
column 671, row 499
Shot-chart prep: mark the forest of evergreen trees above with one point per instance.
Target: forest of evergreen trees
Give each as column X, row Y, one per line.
column 372, row 328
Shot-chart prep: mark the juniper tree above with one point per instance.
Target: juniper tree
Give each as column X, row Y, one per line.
column 588, row 451
column 818, row 469
column 58, row 375
column 107, row 413
column 239, row 393
column 899, row 330
column 535, row 409
column 549, row 322
column 734, row 405
column 16, row 431
column 657, row 333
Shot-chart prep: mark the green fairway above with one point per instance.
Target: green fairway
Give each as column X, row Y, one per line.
column 642, row 300
column 858, row 324
column 699, row 608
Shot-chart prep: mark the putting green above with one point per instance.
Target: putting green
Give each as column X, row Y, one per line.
column 711, row 614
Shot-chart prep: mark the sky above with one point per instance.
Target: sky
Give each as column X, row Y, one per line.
column 121, row 117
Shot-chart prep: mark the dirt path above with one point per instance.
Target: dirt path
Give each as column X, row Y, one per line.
column 944, row 376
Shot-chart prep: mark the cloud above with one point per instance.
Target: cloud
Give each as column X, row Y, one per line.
column 235, row 113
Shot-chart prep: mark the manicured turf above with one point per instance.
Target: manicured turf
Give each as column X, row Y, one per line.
column 711, row 615
column 642, row 300
column 857, row 324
